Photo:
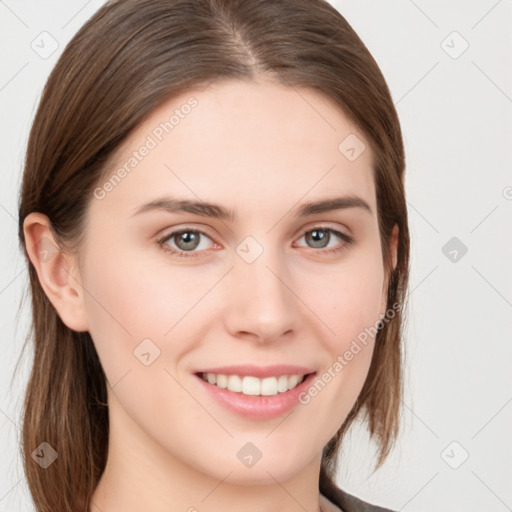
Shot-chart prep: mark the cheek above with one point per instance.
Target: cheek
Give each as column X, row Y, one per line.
column 347, row 299
column 141, row 298
column 348, row 305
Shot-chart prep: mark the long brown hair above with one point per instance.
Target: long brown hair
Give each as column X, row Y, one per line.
column 129, row 58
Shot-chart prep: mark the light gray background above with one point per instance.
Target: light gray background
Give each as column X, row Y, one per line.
column 456, row 119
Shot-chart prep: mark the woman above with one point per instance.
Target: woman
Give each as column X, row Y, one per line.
column 215, row 226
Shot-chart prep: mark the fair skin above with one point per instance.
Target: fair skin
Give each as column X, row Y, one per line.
column 262, row 150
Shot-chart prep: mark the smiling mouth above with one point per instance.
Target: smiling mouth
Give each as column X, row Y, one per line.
column 254, row 386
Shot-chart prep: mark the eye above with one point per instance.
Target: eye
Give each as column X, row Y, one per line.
column 185, row 240
column 321, row 236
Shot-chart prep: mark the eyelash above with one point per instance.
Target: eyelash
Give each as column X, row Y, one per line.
column 349, row 240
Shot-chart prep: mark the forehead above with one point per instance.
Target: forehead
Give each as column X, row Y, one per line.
column 243, row 143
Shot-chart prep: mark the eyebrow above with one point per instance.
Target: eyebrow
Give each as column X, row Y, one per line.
column 217, row 211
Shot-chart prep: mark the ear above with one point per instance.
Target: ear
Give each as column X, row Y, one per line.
column 393, row 251
column 57, row 271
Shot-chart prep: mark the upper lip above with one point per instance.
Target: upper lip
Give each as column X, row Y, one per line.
column 259, row 371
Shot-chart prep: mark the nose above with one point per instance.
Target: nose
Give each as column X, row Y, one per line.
column 261, row 303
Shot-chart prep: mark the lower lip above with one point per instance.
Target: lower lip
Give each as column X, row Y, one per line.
column 258, row 407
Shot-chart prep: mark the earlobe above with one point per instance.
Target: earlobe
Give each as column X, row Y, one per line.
column 56, row 270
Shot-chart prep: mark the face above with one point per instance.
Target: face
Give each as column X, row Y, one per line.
column 172, row 292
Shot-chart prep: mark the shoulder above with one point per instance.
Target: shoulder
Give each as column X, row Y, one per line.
column 347, row 502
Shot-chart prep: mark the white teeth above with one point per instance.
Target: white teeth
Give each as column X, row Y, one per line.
column 234, row 383
column 270, row 386
column 294, row 380
column 222, row 381
column 253, row 385
column 282, row 384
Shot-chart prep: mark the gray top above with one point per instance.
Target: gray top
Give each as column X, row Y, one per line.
column 328, row 506
column 340, row 501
